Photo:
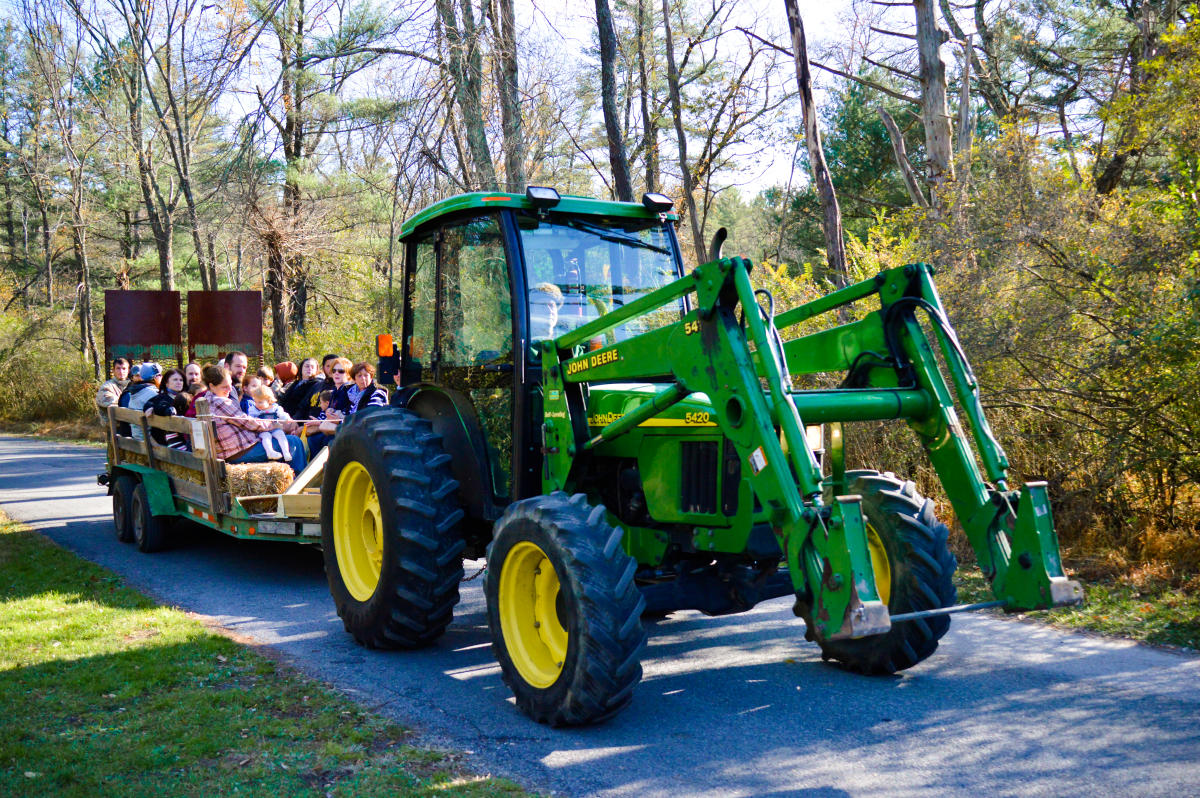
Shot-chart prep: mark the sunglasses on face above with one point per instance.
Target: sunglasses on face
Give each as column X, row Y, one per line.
column 339, row 371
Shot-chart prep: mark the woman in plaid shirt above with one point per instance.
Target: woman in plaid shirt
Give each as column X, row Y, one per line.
column 236, row 433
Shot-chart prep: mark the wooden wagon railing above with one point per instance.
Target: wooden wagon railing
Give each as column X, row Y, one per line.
column 199, row 476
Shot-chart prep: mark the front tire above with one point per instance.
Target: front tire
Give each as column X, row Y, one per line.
column 122, row 496
column 390, row 530
column 563, row 610
column 914, row 570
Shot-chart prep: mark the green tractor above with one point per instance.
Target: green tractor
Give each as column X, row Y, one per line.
column 622, row 440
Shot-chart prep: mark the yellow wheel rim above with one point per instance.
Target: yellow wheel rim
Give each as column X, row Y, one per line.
column 533, row 633
column 357, row 531
column 880, row 565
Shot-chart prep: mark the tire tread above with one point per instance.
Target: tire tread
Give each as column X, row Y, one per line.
column 929, row 584
column 608, row 662
column 419, row 579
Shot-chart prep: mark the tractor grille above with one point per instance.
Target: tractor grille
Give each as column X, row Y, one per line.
column 698, row 482
column 731, row 479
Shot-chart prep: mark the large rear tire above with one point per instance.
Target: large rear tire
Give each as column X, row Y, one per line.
column 563, row 609
column 914, row 570
column 122, row 496
column 390, row 530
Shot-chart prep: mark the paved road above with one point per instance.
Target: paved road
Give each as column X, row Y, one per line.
column 733, row 706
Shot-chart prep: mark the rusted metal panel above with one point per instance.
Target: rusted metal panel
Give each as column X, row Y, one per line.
column 220, row 322
column 143, row 325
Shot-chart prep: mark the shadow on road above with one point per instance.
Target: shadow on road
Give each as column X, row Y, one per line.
column 738, row 705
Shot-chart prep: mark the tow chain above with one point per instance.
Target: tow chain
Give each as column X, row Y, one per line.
column 475, row 575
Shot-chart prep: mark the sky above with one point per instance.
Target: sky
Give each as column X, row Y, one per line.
column 574, row 21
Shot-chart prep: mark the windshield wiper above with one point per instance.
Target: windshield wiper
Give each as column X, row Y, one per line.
column 608, row 234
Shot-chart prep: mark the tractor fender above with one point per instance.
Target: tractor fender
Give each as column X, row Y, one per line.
column 453, row 417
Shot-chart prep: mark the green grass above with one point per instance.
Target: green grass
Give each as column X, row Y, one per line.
column 104, row 693
column 1157, row 614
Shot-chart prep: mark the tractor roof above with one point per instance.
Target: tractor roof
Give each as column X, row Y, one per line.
column 495, row 199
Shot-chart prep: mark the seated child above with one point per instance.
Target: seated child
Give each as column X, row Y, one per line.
column 329, row 418
column 266, row 407
column 194, row 391
column 249, row 385
column 325, row 421
column 178, row 440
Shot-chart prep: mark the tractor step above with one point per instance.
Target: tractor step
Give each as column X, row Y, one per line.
column 912, row 616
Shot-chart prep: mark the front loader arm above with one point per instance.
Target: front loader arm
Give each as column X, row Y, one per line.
column 711, row 352
column 1011, row 531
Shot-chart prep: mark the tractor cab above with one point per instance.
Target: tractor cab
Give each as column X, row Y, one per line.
column 487, row 277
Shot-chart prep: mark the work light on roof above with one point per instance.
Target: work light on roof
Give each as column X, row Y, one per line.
column 658, row 203
column 542, row 196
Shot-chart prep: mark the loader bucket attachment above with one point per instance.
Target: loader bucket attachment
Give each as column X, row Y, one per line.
column 841, row 608
column 1034, row 578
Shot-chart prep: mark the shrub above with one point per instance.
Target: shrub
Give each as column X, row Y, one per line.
column 46, row 378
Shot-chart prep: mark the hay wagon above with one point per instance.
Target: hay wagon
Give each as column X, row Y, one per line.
column 153, row 486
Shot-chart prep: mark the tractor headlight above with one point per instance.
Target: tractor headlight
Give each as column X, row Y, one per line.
column 542, row 196
column 658, row 203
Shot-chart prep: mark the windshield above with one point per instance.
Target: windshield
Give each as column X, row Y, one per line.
column 579, row 269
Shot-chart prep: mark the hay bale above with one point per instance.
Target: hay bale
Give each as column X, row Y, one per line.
column 257, row 479
column 260, row 506
column 241, row 479
column 178, row 472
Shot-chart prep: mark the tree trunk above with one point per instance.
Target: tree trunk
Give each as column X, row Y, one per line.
column 298, row 315
column 87, row 336
column 935, row 112
column 212, row 260
column 965, row 133
column 276, row 298
column 126, row 236
column 47, row 255
column 505, row 35
column 286, row 277
column 900, row 151
column 649, row 130
column 677, row 113
column 1141, row 51
column 207, row 274
column 989, row 83
column 391, row 253
column 465, row 64
column 164, row 242
column 10, row 222
column 10, row 227
column 157, row 213
column 617, row 158
column 831, row 214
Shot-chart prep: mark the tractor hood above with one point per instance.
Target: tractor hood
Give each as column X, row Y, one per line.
column 608, row 402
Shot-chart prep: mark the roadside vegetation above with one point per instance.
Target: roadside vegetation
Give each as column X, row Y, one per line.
column 104, row 693
column 1143, row 607
column 1055, row 185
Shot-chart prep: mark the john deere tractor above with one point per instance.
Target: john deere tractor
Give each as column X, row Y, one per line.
column 622, row 439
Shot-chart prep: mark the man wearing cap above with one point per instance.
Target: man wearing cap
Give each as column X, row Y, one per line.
column 140, row 391
column 110, row 391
